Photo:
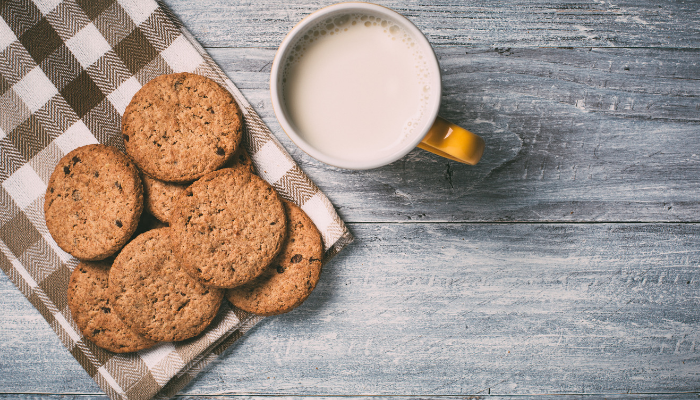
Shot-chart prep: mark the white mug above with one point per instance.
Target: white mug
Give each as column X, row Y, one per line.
column 357, row 86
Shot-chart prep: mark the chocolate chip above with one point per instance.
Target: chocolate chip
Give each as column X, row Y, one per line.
column 97, row 174
column 126, row 138
column 75, row 160
column 220, row 151
column 106, row 310
column 296, row 258
column 280, row 269
column 119, row 223
column 118, row 185
column 66, row 170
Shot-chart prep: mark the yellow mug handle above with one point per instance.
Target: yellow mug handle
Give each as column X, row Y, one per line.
column 451, row 141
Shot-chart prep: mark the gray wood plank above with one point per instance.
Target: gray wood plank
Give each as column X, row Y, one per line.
column 636, row 396
column 32, row 358
column 572, row 135
column 432, row 309
column 616, row 396
column 429, row 307
column 222, row 23
column 219, row 396
column 450, row 309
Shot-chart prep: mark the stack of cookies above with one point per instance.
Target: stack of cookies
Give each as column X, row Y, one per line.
column 167, row 231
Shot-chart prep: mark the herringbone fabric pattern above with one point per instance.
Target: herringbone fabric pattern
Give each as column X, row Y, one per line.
column 68, row 69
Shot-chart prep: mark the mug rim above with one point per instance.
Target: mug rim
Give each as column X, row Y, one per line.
column 276, row 86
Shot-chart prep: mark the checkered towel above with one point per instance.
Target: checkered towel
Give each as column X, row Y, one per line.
column 68, row 69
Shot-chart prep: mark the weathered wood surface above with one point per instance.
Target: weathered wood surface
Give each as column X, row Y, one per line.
column 572, row 135
column 451, row 309
column 566, row 263
column 488, row 308
column 520, row 23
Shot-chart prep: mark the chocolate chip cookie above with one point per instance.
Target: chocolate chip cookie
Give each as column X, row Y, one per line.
column 93, row 202
column 160, row 196
column 89, row 304
column 291, row 277
column 179, row 127
column 227, row 227
column 154, row 296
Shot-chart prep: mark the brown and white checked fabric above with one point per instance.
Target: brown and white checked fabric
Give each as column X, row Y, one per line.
column 68, row 69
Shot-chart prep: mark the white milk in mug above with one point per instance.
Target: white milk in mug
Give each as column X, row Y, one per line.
column 357, row 85
column 354, row 85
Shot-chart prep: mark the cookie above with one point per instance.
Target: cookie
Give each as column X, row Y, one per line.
column 154, row 296
column 241, row 159
column 291, row 277
column 179, row 127
column 147, row 223
column 160, row 196
column 93, row 202
column 227, row 227
column 90, row 307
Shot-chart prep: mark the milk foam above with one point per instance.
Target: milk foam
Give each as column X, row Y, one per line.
column 356, row 86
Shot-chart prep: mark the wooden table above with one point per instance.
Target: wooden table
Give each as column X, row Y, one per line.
column 566, row 262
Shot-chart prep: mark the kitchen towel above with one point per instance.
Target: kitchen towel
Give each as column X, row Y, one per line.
column 68, row 69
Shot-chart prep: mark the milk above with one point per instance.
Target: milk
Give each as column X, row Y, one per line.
column 356, row 86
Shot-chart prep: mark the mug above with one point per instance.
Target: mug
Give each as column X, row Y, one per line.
column 357, row 86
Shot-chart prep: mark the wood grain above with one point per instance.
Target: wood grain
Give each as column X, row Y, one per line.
column 450, row 309
column 222, row 23
column 571, row 135
column 565, row 264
